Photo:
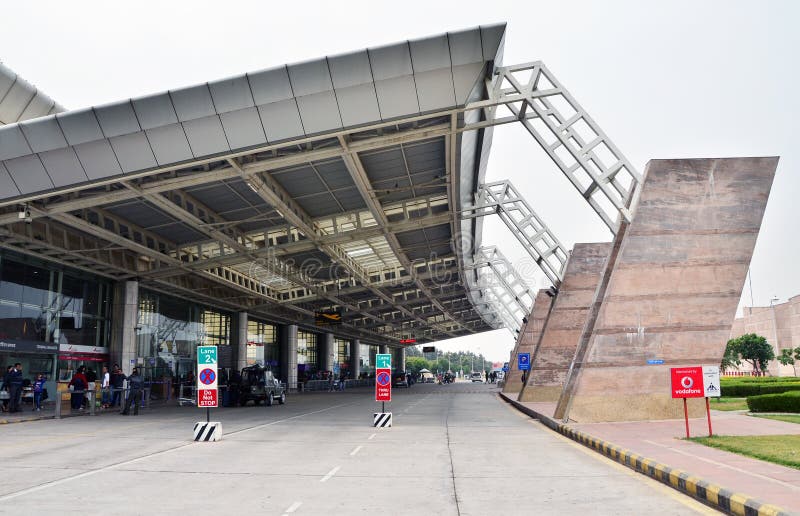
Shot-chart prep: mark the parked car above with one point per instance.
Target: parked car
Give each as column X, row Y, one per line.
column 259, row 384
column 400, row 379
column 476, row 376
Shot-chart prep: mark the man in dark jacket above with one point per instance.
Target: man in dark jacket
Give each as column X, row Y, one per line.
column 135, row 384
column 15, row 388
column 117, row 380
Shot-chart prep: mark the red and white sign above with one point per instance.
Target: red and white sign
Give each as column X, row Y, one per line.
column 383, row 385
column 207, row 398
column 695, row 382
column 687, row 382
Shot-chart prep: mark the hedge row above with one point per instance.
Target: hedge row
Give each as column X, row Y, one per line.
column 740, row 390
column 786, row 402
column 759, row 379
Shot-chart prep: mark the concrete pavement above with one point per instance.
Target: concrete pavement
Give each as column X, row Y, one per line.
column 454, row 450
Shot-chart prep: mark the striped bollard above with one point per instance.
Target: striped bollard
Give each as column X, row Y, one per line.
column 208, row 431
column 382, row 419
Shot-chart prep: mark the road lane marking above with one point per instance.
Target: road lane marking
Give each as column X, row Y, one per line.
column 330, row 474
column 371, row 437
column 64, row 480
column 357, row 449
column 292, row 508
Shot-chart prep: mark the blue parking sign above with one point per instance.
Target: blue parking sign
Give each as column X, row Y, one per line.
column 524, row 361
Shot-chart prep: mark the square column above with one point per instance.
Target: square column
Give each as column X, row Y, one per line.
column 288, row 343
column 241, row 340
column 355, row 358
column 124, row 323
column 326, row 352
column 671, row 288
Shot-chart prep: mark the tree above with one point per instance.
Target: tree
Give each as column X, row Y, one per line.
column 789, row 357
column 415, row 364
column 754, row 349
column 731, row 357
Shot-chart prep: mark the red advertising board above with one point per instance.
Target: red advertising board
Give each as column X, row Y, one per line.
column 383, row 385
column 207, row 398
column 687, row 382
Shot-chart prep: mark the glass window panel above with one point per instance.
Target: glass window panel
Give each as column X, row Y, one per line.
column 12, row 276
column 36, row 289
column 11, row 322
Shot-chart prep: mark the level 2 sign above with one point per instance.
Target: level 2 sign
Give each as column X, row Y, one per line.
column 207, row 376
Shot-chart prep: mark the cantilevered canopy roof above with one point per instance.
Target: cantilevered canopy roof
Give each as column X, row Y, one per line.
column 333, row 183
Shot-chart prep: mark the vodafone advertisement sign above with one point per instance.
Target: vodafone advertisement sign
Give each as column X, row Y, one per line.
column 695, row 382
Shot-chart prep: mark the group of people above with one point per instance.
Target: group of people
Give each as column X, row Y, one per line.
column 111, row 388
column 14, row 384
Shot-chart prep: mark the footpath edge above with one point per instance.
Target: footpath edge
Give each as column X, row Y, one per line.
column 707, row 492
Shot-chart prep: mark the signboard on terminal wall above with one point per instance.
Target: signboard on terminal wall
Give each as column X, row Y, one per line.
column 524, row 361
column 207, row 360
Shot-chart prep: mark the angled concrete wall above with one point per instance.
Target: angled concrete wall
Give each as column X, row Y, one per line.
column 527, row 340
column 671, row 291
column 565, row 325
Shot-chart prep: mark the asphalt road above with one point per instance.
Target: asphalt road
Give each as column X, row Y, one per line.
column 453, row 450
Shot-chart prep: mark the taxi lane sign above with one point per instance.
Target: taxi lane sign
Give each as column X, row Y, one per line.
column 383, row 361
column 383, row 385
column 206, row 355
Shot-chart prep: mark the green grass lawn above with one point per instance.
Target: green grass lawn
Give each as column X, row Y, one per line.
column 789, row 418
column 780, row 449
column 725, row 403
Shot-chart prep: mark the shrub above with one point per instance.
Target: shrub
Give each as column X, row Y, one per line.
column 744, row 389
column 786, row 402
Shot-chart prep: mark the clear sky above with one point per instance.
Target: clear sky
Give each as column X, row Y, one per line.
column 663, row 79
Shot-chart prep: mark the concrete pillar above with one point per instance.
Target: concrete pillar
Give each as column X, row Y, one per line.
column 326, row 351
column 561, row 333
column 671, row 288
column 288, row 343
column 126, row 318
column 383, row 349
column 355, row 358
column 527, row 340
column 241, row 340
column 401, row 358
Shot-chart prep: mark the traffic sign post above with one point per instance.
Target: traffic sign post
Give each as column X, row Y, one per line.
column 207, row 360
column 383, row 381
column 695, row 382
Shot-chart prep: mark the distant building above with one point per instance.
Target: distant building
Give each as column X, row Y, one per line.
column 779, row 324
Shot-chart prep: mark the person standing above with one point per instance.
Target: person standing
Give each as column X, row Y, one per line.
column 6, row 388
column 38, row 389
column 135, row 386
column 91, row 384
column 105, row 387
column 15, row 389
column 117, row 380
column 78, row 384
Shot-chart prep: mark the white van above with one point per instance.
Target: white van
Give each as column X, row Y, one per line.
column 476, row 376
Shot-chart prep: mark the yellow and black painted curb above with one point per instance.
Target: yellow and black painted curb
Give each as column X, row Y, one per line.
column 711, row 494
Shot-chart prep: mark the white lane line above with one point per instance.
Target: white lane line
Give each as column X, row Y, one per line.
column 292, row 508
column 143, row 457
column 330, row 474
column 371, row 436
column 358, row 449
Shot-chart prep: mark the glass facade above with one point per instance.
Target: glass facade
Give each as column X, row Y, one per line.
column 367, row 359
column 341, row 360
column 262, row 346
column 169, row 331
column 307, row 356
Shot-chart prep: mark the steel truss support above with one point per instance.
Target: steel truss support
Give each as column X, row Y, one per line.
column 532, row 96
column 508, row 297
column 503, row 199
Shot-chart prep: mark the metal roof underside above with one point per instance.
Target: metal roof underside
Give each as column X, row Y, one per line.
column 333, row 183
